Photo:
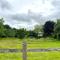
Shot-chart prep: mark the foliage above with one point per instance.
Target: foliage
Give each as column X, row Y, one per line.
column 48, row 28
column 21, row 33
column 57, row 29
column 1, row 27
column 38, row 28
column 32, row 34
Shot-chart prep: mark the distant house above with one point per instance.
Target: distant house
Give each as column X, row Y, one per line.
column 40, row 34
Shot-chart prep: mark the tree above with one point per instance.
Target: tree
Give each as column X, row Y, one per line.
column 1, row 21
column 38, row 28
column 7, row 27
column 57, row 29
column 21, row 33
column 9, row 32
column 1, row 27
column 32, row 34
column 48, row 28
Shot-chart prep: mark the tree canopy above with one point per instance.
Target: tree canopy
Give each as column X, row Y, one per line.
column 48, row 28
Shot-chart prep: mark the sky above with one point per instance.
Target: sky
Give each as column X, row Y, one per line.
column 28, row 13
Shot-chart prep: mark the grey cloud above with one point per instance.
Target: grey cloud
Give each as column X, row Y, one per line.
column 25, row 20
column 20, row 17
column 56, row 14
column 4, row 4
column 28, row 17
column 56, row 3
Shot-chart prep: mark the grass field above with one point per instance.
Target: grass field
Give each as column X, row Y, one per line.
column 32, row 43
column 44, row 56
column 10, row 43
column 31, row 56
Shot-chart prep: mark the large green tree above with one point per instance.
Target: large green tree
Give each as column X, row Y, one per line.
column 57, row 29
column 38, row 28
column 48, row 28
column 1, row 27
column 21, row 33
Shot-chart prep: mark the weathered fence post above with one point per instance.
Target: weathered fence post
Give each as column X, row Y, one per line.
column 24, row 46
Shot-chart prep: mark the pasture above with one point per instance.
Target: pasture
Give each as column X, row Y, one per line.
column 31, row 56
column 31, row 43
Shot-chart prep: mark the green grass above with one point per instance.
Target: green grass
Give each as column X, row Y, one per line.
column 44, row 56
column 44, row 44
column 10, row 56
column 10, row 43
column 31, row 56
column 31, row 43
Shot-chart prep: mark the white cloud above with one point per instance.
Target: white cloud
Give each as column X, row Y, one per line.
column 27, row 13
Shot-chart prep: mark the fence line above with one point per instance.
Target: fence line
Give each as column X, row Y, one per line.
column 28, row 50
column 24, row 50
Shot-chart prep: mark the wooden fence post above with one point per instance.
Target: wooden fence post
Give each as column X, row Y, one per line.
column 24, row 46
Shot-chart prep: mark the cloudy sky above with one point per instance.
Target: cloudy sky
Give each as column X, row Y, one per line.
column 28, row 13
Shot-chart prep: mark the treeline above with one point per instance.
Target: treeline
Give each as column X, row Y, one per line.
column 52, row 29
column 7, row 31
column 49, row 29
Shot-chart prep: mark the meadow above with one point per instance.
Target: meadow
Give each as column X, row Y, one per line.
column 6, row 43
column 31, row 56
column 31, row 43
